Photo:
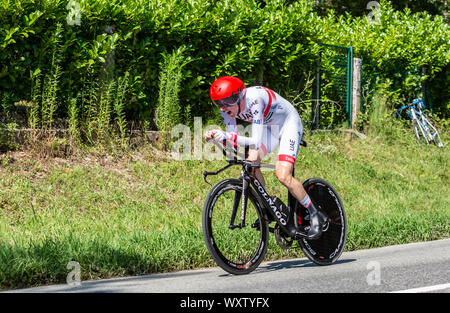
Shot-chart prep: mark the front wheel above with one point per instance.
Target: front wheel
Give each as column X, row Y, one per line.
column 419, row 132
column 329, row 246
column 433, row 134
column 237, row 250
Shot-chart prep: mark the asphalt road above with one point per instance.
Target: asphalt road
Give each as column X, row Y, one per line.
column 416, row 267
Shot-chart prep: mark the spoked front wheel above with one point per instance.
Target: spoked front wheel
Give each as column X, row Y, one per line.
column 419, row 131
column 329, row 246
column 433, row 133
column 237, row 250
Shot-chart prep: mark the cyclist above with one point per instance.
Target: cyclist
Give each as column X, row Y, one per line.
column 275, row 122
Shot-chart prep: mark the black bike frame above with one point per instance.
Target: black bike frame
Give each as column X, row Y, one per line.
column 263, row 197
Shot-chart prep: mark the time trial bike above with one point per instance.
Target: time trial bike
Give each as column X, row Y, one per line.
column 237, row 213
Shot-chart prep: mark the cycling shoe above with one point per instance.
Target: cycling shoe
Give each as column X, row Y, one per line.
column 317, row 221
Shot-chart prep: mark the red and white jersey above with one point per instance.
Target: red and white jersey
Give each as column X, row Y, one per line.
column 263, row 107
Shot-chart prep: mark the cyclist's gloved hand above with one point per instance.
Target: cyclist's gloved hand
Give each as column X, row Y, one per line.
column 220, row 135
column 209, row 135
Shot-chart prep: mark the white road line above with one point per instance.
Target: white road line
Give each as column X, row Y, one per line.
column 424, row 289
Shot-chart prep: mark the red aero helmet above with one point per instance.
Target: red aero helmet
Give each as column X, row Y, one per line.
column 226, row 90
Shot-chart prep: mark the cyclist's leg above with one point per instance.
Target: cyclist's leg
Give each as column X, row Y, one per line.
column 256, row 156
column 290, row 137
column 284, row 174
column 269, row 143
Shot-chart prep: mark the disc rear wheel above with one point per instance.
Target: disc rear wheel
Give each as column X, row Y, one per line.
column 329, row 246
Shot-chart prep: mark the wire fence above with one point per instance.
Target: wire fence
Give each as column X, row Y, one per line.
column 333, row 91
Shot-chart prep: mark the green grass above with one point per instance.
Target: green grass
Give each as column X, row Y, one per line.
column 142, row 214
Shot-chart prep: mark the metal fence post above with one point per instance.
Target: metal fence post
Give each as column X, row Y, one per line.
column 315, row 110
column 349, row 85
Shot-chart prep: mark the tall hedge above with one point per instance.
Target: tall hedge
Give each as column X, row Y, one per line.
column 402, row 48
column 274, row 45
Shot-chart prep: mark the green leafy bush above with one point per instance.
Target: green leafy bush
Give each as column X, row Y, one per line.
column 275, row 45
column 399, row 47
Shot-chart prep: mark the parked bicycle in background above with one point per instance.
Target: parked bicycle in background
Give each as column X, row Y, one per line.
column 423, row 128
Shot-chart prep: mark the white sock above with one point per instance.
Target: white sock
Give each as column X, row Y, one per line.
column 306, row 201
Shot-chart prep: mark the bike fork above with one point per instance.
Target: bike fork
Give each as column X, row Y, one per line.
column 244, row 201
column 237, row 198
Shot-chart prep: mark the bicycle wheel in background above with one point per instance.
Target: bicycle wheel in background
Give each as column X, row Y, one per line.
column 419, row 131
column 434, row 134
column 330, row 245
column 238, row 250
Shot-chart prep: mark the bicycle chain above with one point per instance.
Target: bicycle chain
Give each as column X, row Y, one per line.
column 280, row 239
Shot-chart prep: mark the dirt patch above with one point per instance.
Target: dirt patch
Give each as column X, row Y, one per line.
column 31, row 162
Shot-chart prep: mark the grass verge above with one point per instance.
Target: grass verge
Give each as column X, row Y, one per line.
column 141, row 213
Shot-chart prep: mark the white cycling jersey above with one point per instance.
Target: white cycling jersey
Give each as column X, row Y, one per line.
column 275, row 122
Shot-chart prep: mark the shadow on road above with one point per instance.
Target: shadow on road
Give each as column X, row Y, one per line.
column 289, row 264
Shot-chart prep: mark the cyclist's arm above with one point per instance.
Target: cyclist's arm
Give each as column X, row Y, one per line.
column 230, row 122
column 257, row 110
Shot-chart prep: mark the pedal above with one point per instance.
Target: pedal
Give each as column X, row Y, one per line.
column 283, row 242
column 300, row 234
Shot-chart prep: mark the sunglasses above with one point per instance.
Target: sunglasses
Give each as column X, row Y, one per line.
column 229, row 101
